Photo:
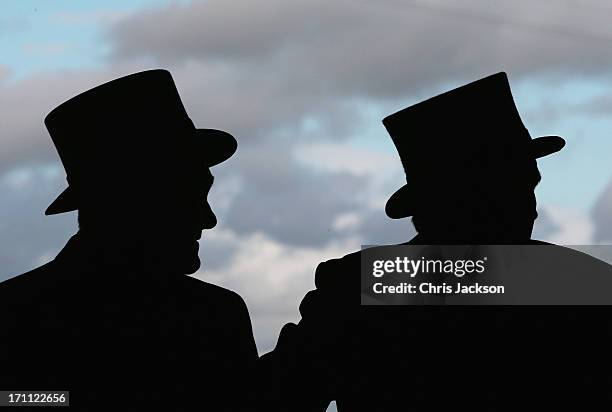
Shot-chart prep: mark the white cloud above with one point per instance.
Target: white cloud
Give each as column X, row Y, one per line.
column 572, row 227
column 270, row 276
column 346, row 221
column 336, row 157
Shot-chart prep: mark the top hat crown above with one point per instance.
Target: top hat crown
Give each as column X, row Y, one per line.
column 133, row 125
column 473, row 130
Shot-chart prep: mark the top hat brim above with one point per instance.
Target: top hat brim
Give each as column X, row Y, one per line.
column 401, row 203
column 215, row 146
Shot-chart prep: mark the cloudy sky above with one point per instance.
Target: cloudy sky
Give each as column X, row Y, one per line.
column 303, row 86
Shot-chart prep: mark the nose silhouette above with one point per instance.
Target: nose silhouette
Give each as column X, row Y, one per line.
column 209, row 220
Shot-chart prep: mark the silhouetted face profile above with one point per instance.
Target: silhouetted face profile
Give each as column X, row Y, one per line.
column 512, row 215
column 155, row 226
column 183, row 231
column 498, row 208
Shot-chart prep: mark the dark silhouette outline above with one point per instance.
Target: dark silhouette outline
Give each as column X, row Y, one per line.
column 471, row 172
column 113, row 318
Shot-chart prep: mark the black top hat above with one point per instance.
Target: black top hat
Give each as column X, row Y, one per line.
column 136, row 124
column 472, row 131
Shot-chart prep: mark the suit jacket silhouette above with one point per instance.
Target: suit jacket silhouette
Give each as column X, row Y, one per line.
column 432, row 358
column 122, row 338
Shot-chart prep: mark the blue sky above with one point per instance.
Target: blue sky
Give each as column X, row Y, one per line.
column 576, row 176
column 39, row 35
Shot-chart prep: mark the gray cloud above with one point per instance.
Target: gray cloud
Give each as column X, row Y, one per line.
column 602, row 216
column 5, row 72
column 366, row 48
column 215, row 97
column 597, row 106
column 25, row 103
column 287, row 201
column 269, row 69
column 27, row 237
column 378, row 229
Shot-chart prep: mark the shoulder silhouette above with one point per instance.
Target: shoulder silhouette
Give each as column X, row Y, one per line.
column 114, row 318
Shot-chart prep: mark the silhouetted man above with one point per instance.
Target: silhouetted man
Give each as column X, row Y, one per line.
column 113, row 318
column 471, row 173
